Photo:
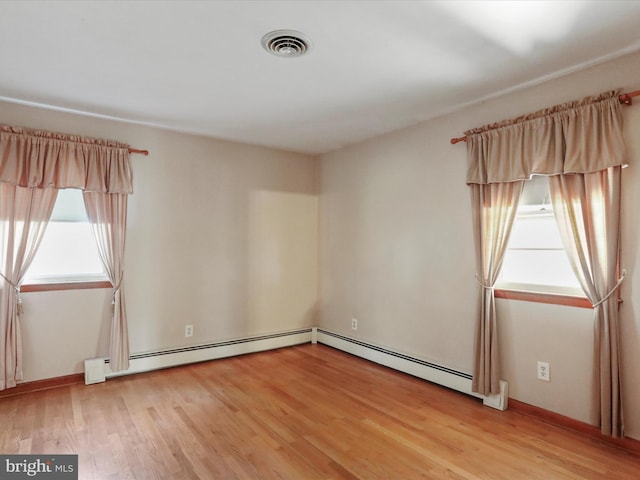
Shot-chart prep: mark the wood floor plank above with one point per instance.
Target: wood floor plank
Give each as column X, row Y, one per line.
column 307, row 412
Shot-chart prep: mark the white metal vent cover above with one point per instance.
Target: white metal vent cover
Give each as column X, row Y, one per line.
column 286, row 43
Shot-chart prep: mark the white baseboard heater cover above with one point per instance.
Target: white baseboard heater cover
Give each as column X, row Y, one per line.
column 98, row 369
column 437, row 374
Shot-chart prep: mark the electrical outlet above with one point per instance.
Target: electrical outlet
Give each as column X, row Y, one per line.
column 543, row 371
column 188, row 330
column 354, row 324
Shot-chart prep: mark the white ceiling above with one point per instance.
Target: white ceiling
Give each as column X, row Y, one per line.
column 375, row 66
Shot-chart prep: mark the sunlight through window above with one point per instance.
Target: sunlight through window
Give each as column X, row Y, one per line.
column 68, row 250
column 535, row 259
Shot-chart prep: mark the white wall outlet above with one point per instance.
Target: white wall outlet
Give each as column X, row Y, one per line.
column 188, row 330
column 543, row 371
column 354, row 324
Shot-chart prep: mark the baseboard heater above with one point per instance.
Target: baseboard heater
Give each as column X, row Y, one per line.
column 438, row 374
column 97, row 370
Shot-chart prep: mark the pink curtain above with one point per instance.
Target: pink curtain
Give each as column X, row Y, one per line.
column 587, row 208
column 36, row 158
column 494, row 208
column 33, row 164
column 24, row 214
column 574, row 137
column 107, row 213
column 580, row 144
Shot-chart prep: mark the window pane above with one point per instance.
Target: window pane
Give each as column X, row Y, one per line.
column 536, row 191
column 67, row 249
column 535, row 231
column 538, row 267
column 69, row 206
column 535, row 256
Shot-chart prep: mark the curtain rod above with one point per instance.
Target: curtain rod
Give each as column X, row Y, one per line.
column 141, row 152
column 626, row 98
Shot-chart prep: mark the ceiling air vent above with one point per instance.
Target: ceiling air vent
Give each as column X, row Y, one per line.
column 286, row 43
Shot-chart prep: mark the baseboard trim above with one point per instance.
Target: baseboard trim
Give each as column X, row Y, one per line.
column 45, row 384
column 438, row 374
column 99, row 369
column 626, row 443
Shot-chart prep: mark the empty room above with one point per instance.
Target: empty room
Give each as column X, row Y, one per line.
column 320, row 240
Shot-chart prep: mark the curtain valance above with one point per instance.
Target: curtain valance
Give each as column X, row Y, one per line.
column 575, row 137
column 36, row 158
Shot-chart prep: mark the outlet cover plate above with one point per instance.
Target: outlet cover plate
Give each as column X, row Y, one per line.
column 543, row 371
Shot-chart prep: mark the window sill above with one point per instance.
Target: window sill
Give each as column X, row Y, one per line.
column 50, row 287
column 540, row 297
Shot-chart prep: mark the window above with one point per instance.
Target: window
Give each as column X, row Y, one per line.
column 535, row 259
column 68, row 252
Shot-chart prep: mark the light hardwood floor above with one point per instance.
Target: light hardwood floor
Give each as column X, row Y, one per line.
column 306, row 412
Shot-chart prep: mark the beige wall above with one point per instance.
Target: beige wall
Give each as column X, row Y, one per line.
column 397, row 253
column 222, row 236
